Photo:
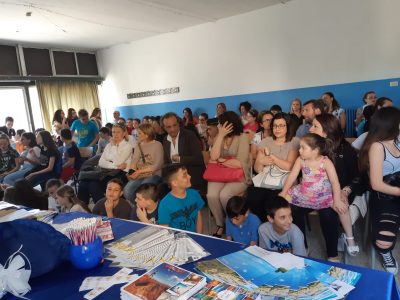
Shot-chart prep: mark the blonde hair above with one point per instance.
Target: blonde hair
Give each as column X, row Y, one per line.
column 69, row 193
column 148, row 130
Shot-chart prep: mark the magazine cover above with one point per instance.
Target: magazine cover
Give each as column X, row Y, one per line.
column 164, row 282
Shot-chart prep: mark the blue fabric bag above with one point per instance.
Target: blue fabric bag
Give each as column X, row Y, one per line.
column 44, row 246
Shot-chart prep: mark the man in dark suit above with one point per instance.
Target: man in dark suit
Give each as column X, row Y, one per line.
column 182, row 146
column 7, row 129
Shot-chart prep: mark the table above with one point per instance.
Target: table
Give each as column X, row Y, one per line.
column 64, row 282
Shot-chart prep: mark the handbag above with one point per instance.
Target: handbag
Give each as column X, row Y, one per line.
column 217, row 172
column 143, row 165
column 272, row 177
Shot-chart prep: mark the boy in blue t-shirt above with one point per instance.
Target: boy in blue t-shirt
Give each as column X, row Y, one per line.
column 88, row 133
column 180, row 208
column 241, row 225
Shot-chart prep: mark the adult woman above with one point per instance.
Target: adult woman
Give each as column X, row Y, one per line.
column 380, row 157
column 96, row 117
column 345, row 162
column 71, row 116
column 188, row 117
column 114, row 159
column 244, row 107
column 333, row 107
column 29, row 158
column 264, row 120
column 281, row 150
column 230, row 148
column 147, row 161
column 368, row 99
column 252, row 124
column 50, row 160
column 68, row 201
column 59, row 119
column 221, row 108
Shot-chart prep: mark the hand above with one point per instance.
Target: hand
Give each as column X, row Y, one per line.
column 339, row 207
column 134, row 175
column 21, row 159
column 141, row 214
column 28, row 177
column 109, row 205
column 268, row 160
column 175, row 158
column 225, row 129
column 267, row 151
column 122, row 166
column 344, row 197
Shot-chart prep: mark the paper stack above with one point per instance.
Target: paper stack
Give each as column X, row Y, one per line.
column 164, row 282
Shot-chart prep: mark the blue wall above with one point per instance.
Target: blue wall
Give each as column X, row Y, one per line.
column 349, row 96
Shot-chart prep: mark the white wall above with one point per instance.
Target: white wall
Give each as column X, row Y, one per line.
column 299, row 44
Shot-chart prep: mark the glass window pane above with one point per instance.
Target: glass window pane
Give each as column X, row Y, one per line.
column 13, row 105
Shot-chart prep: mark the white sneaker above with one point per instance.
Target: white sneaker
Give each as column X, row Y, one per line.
column 389, row 262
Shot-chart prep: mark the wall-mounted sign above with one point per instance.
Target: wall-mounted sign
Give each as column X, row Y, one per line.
column 173, row 90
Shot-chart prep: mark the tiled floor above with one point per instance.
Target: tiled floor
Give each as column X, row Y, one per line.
column 317, row 245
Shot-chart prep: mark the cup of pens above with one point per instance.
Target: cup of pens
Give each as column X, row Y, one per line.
column 86, row 250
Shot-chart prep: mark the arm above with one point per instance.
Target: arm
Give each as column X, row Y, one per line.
column 69, row 163
column 94, row 141
column 199, row 223
column 35, row 156
column 376, row 156
column 109, row 205
column 338, row 205
column 223, row 131
column 342, row 120
column 49, row 168
column 285, row 164
column 292, row 177
column 15, row 169
column 262, row 160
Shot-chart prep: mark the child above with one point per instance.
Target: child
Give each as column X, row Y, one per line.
column 181, row 207
column 279, row 234
column 68, row 201
column 52, row 186
column 113, row 205
column 320, row 186
column 146, row 204
column 71, row 157
column 241, row 225
column 18, row 145
column 9, row 158
column 105, row 136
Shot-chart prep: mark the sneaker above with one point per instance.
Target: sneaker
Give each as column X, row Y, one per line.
column 389, row 262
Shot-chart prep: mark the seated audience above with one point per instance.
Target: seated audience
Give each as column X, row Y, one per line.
column 296, row 112
column 231, row 148
column 280, row 150
column 179, row 147
column 279, row 234
column 71, row 157
column 181, row 207
column 309, row 113
column 59, row 119
column 146, row 163
column 95, row 117
column 333, row 107
column 202, row 127
column 71, row 116
column 368, row 99
column 244, row 108
column 7, row 128
column 105, row 136
column 160, row 133
column 379, row 158
column 52, row 186
column 146, row 204
column 113, row 205
column 22, row 193
column 383, row 102
column 221, row 108
column 50, row 161
column 212, row 131
column 29, row 158
column 188, row 117
column 252, row 124
column 116, row 158
column 275, row 109
column 241, row 224
column 18, row 145
column 264, row 120
column 9, row 158
column 68, row 201
column 116, row 115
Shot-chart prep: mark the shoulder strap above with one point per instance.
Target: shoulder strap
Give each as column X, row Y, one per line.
column 141, row 153
column 384, row 150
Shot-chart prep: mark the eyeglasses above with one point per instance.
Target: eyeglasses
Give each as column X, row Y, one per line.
column 267, row 120
column 279, row 126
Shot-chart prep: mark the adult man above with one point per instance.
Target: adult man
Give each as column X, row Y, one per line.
column 310, row 109
column 182, row 146
column 88, row 133
column 7, row 129
column 116, row 115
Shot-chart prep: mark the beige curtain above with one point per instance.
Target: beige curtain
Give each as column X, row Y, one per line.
column 55, row 95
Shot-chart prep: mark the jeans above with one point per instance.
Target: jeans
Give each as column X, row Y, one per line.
column 132, row 185
column 13, row 177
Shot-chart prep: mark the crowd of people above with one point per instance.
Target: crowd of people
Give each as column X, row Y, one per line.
column 158, row 170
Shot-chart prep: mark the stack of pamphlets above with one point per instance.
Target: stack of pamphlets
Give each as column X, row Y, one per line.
column 218, row 290
column 153, row 245
column 10, row 212
column 164, row 282
column 280, row 275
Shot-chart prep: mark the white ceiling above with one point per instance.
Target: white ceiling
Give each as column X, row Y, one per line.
column 96, row 24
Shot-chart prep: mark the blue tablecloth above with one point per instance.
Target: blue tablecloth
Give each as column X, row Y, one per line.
column 64, row 282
